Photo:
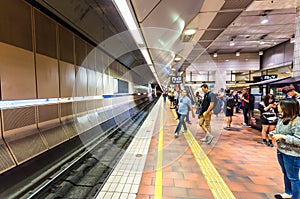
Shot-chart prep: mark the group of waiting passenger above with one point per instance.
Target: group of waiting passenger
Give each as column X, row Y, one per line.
column 285, row 131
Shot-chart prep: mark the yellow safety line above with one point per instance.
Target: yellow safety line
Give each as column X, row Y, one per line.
column 214, row 180
column 158, row 177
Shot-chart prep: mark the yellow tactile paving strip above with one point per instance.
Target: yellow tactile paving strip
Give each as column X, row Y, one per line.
column 159, row 164
column 217, row 185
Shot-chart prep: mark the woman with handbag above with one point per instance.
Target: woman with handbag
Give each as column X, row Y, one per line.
column 268, row 117
column 287, row 136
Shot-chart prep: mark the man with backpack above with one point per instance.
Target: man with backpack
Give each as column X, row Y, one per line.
column 206, row 112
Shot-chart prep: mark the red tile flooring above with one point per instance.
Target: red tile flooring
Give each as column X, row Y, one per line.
column 249, row 168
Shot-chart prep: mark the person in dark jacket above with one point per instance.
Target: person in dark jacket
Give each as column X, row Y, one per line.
column 246, row 106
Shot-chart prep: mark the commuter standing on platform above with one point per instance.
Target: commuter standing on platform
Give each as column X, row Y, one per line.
column 291, row 93
column 268, row 109
column 229, row 100
column 246, row 105
column 183, row 105
column 165, row 95
column 287, row 136
column 206, row 112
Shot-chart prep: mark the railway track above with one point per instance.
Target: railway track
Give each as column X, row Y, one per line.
column 86, row 171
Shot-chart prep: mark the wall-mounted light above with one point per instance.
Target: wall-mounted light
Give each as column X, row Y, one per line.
column 260, row 53
column 237, row 54
column 265, row 19
column 215, row 54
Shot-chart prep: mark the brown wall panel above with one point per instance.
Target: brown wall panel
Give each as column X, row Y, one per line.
column 67, row 79
column 99, row 60
column 81, row 82
column 99, row 83
column 92, row 82
column 15, row 23
column 80, row 52
column 91, row 58
column 66, row 45
column 17, row 73
column 45, row 31
column 47, row 77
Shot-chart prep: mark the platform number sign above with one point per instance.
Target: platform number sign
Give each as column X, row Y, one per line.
column 267, row 77
column 176, row 79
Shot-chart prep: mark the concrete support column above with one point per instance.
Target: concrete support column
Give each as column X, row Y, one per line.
column 296, row 67
column 220, row 79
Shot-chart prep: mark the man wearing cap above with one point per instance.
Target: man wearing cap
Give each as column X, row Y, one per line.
column 291, row 93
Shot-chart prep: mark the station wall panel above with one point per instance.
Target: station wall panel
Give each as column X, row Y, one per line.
column 16, row 24
column 81, row 82
column 50, row 126
column 66, row 45
column 66, row 79
column 92, row 82
column 45, row 33
column 17, row 73
column 47, row 77
column 21, row 133
column 80, row 52
column 6, row 159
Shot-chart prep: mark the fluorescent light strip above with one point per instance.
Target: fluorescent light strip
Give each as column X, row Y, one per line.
column 128, row 18
column 125, row 12
column 146, row 55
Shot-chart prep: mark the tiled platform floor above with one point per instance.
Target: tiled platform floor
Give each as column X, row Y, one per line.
column 249, row 168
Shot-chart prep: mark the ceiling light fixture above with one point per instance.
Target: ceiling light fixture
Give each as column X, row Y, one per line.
column 265, row 19
column 215, row 54
column 260, row 53
column 231, row 43
column 177, row 59
column 237, row 54
column 190, row 31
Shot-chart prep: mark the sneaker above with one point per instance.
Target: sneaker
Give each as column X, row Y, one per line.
column 189, row 122
column 209, row 139
column 264, row 143
column 244, row 124
column 184, row 131
column 204, row 139
column 282, row 196
column 270, row 144
column 227, row 128
column 176, row 134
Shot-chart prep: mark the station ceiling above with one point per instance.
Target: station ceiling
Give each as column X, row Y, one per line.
column 217, row 23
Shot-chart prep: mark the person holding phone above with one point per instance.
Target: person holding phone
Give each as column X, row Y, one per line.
column 287, row 136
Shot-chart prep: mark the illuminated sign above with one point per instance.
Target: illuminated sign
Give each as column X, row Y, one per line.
column 176, row 80
column 267, row 77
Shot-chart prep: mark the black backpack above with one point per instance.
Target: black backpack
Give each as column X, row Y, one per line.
column 230, row 101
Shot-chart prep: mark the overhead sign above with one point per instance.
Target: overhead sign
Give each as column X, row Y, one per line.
column 176, row 79
column 267, row 77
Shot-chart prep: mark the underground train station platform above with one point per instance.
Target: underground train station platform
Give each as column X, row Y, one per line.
column 158, row 165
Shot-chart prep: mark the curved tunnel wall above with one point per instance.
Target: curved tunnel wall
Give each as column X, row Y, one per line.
column 41, row 59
